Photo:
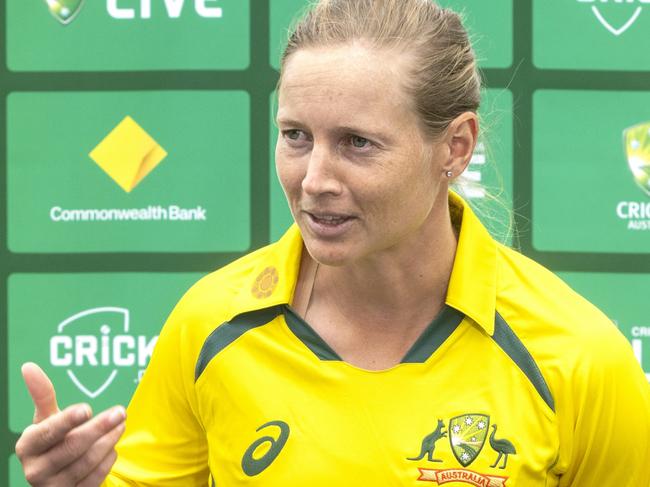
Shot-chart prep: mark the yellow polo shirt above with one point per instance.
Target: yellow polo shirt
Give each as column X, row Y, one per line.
column 518, row 382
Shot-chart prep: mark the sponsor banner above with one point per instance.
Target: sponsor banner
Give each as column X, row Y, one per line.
column 128, row 172
column 93, row 334
column 591, row 34
column 488, row 175
column 591, row 162
column 102, row 35
column 618, row 296
column 489, row 23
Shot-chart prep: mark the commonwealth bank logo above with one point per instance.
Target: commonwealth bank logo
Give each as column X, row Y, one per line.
column 637, row 149
column 64, row 11
column 617, row 16
column 128, row 154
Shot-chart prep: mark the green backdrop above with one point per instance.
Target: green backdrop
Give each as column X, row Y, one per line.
column 98, row 242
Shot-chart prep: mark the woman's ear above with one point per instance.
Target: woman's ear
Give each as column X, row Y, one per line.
column 461, row 138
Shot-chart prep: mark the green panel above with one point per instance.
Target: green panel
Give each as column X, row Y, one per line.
column 123, row 312
column 16, row 477
column 491, row 166
column 617, row 295
column 591, row 34
column 585, row 197
column 489, row 23
column 50, row 136
column 182, row 36
column 282, row 14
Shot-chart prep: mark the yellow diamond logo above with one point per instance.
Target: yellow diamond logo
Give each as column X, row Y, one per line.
column 128, row 154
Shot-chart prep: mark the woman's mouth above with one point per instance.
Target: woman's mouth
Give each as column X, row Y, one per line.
column 328, row 225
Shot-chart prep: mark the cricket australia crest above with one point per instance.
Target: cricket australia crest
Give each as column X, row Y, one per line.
column 637, row 149
column 467, row 434
column 64, row 10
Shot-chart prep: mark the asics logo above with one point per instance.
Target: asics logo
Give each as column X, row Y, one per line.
column 252, row 465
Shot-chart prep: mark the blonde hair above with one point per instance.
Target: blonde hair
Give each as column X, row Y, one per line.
column 443, row 79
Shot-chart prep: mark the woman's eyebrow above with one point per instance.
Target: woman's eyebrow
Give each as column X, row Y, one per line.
column 288, row 121
column 340, row 128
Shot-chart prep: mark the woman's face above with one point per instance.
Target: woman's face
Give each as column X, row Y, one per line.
column 359, row 175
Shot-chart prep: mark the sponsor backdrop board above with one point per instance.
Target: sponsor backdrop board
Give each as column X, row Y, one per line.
column 180, row 91
column 487, row 183
column 92, row 333
column 124, row 176
column 598, row 168
column 591, row 34
column 112, row 35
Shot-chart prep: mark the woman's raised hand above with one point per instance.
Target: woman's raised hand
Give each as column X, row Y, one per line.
column 70, row 447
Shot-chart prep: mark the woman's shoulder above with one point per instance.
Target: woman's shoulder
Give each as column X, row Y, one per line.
column 549, row 316
column 578, row 350
column 215, row 296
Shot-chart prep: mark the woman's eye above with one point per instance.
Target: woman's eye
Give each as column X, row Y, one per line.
column 359, row 142
column 295, row 135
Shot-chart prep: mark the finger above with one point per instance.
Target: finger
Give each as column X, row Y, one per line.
column 40, row 437
column 93, row 457
column 42, row 391
column 97, row 476
column 78, row 442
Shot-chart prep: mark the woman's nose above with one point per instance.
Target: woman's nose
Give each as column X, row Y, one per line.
column 321, row 173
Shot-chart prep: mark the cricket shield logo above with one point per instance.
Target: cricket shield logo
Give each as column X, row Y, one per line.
column 467, row 436
column 615, row 15
column 637, row 149
column 64, row 10
column 93, row 345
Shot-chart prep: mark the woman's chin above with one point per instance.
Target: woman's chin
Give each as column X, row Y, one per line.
column 329, row 253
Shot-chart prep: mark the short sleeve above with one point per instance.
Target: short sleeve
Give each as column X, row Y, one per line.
column 164, row 443
column 607, row 438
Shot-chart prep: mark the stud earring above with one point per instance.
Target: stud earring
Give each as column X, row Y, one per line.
column 449, row 174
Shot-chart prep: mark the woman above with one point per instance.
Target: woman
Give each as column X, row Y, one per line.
column 384, row 340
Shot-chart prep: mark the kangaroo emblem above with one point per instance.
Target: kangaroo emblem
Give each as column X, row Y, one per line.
column 429, row 443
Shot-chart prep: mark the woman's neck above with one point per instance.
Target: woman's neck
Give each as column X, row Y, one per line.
column 393, row 283
column 408, row 281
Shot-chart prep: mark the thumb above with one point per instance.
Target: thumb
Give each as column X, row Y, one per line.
column 42, row 391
